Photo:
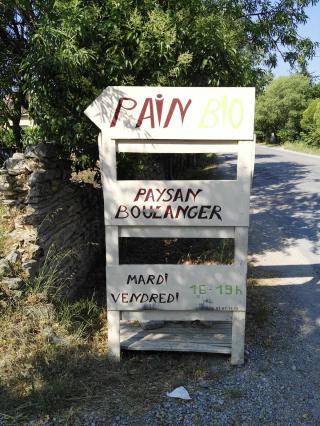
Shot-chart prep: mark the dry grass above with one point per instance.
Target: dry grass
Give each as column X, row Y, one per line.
column 87, row 176
column 54, row 356
column 50, row 365
column 6, row 226
column 53, row 359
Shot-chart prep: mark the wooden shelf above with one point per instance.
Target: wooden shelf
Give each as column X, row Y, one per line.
column 176, row 337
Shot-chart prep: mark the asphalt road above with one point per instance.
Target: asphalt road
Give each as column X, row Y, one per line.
column 285, row 216
column 284, row 239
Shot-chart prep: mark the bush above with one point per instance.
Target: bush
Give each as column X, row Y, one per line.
column 310, row 124
column 6, row 137
column 31, row 136
column 279, row 109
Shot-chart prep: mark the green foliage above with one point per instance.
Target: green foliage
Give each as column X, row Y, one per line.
column 279, row 109
column 311, row 116
column 66, row 52
column 6, row 137
column 310, row 123
column 31, row 136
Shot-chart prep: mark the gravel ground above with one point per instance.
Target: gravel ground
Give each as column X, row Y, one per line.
column 279, row 383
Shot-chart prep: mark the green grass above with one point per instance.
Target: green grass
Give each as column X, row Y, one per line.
column 301, row 147
column 295, row 146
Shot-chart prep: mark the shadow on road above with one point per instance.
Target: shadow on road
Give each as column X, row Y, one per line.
column 282, row 211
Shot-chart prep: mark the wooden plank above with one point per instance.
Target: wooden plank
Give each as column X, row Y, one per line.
column 172, row 203
column 241, row 246
column 112, row 258
column 175, row 287
column 183, row 147
column 176, row 232
column 216, row 339
column 108, row 165
column 108, row 161
column 114, row 335
column 197, row 113
column 238, row 333
column 164, row 346
column 177, row 316
column 176, row 331
column 253, row 151
column 112, row 245
column 244, row 165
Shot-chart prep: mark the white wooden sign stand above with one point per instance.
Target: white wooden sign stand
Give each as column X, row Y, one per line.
column 192, row 292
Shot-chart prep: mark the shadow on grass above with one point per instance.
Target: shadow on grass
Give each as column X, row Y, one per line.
column 70, row 380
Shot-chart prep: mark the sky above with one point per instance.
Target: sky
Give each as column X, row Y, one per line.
column 312, row 30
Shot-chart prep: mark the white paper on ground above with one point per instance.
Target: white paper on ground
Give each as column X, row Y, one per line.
column 179, row 392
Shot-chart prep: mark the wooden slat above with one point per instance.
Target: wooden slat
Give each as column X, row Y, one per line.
column 174, row 147
column 230, row 197
column 173, row 337
column 245, row 165
column 241, row 246
column 238, row 332
column 176, row 232
column 175, row 287
column 177, row 316
column 221, row 113
column 108, row 165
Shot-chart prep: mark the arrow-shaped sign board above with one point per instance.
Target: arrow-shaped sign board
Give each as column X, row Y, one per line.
column 177, row 113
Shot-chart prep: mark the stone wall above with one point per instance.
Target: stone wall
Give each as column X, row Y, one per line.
column 51, row 213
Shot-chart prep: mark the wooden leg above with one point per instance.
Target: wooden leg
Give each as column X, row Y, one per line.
column 238, row 332
column 114, row 336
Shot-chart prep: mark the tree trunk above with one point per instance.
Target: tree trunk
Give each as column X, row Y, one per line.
column 17, row 133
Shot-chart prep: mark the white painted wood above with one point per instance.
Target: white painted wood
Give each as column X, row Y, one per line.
column 112, row 242
column 112, row 258
column 176, row 232
column 175, row 287
column 220, row 113
column 238, row 333
column 241, row 246
column 114, row 335
column 177, row 315
column 253, row 153
column 205, row 127
column 140, row 203
column 244, row 167
column 178, row 338
column 107, row 156
column 183, row 147
column 108, row 161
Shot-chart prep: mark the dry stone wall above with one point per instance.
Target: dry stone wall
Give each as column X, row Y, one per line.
column 52, row 214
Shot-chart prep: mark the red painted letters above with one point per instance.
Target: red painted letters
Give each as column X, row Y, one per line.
column 153, row 110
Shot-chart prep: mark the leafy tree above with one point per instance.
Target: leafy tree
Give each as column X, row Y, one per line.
column 72, row 49
column 279, row 109
column 18, row 21
column 12, row 51
column 310, row 123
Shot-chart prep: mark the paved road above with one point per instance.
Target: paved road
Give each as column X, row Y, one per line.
column 286, row 211
column 284, row 241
